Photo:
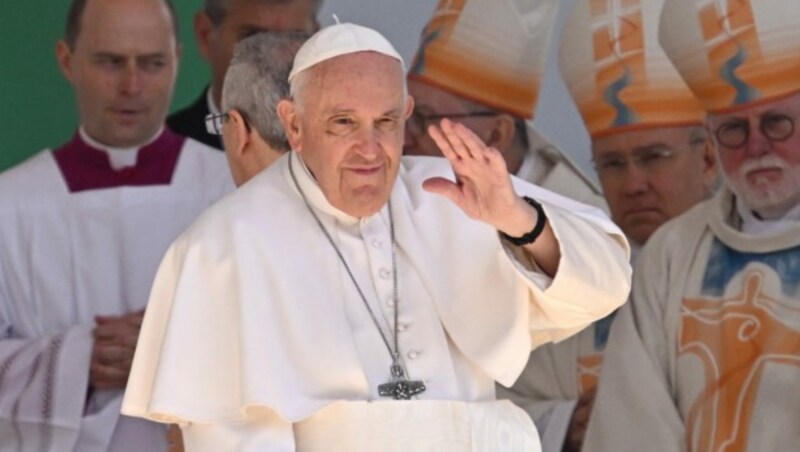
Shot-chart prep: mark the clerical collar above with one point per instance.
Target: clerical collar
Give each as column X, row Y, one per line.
column 212, row 106
column 753, row 225
column 315, row 196
column 86, row 164
column 118, row 158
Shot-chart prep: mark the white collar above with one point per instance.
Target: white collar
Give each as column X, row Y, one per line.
column 119, row 158
column 753, row 225
column 212, row 106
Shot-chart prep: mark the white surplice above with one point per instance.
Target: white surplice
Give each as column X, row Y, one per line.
column 254, row 328
column 66, row 257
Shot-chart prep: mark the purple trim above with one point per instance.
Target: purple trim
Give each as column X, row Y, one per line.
column 86, row 168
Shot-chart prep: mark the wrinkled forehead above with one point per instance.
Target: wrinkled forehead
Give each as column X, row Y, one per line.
column 645, row 137
column 789, row 105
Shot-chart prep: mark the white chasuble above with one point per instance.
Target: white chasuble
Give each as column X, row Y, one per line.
column 706, row 356
column 77, row 240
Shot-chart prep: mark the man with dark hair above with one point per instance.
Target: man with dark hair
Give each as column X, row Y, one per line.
column 217, row 28
column 82, row 228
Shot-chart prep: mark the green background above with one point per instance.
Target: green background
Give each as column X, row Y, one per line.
column 37, row 107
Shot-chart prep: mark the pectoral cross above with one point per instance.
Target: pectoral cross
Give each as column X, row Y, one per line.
column 400, row 388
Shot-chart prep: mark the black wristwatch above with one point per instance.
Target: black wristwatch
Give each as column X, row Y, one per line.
column 531, row 236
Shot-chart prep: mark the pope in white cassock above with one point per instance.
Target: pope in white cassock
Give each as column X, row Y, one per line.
column 303, row 311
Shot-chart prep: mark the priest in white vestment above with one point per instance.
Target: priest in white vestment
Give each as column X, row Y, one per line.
column 350, row 299
column 654, row 160
column 706, row 355
column 82, row 229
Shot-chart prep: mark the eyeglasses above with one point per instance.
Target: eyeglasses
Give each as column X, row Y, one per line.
column 776, row 127
column 649, row 159
column 420, row 121
column 214, row 123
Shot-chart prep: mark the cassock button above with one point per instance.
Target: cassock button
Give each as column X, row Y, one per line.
column 384, row 273
column 402, row 327
column 376, row 243
column 413, row 354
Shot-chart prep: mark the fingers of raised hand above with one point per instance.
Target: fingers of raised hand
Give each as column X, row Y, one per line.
column 458, row 138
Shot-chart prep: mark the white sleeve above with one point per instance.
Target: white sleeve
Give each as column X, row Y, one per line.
column 43, row 384
column 593, row 277
column 262, row 431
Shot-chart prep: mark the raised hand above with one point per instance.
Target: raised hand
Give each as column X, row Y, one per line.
column 114, row 344
column 482, row 188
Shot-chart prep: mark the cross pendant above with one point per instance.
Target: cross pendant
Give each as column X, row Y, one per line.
column 400, row 388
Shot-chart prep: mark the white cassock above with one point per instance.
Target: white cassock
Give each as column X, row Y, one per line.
column 256, row 338
column 78, row 240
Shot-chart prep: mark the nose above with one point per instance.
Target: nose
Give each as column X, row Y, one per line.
column 634, row 180
column 369, row 143
column 131, row 82
column 757, row 144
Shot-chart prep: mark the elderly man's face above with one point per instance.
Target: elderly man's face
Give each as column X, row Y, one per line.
column 651, row 175
column 764, row 171
column 348, row 128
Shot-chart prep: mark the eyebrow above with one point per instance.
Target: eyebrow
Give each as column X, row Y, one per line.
column 652, row 147
column 395, row 112
column 105, row 54
column 636, row 150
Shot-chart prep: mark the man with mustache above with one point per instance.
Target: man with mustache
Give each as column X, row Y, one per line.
column 706, row 355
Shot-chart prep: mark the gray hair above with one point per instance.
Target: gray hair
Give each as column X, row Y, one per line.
column 257, row 79
column 217, row 10
column 75, row 12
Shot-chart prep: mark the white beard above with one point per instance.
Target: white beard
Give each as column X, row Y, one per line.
column 769, row 198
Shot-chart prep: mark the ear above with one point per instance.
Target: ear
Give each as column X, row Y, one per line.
column 287, row 111
column 501, row 134
column 203, row 28
column 236, row 142
column 409, row 107
column 64, row 58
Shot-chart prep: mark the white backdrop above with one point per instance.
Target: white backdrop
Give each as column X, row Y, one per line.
column 401, row 21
